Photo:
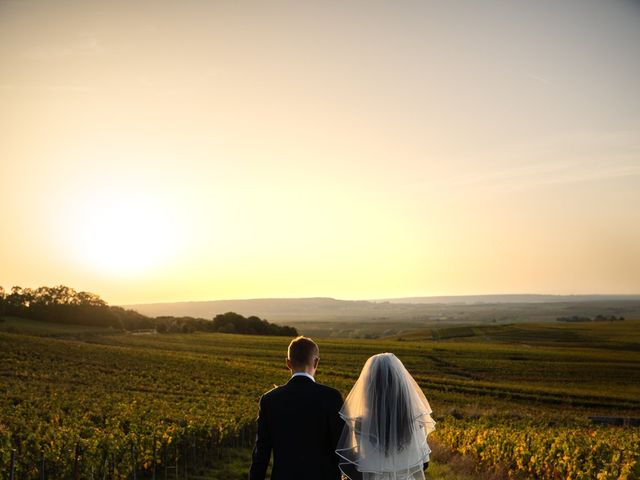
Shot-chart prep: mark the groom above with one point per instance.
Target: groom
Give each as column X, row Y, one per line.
column 299, row 421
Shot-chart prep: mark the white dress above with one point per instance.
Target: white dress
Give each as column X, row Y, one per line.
column 387, row 421
column 374, row 465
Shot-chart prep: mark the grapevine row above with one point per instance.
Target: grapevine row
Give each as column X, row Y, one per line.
column 542, row 451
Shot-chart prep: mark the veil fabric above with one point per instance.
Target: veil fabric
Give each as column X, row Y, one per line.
column 387, row 421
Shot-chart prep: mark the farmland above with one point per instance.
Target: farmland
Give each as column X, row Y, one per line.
column 94, row 402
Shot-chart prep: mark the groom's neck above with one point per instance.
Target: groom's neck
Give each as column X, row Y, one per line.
column 308, row 371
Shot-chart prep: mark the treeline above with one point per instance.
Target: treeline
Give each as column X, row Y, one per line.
column 229, row 322
column 62, row 304
column 597, row 318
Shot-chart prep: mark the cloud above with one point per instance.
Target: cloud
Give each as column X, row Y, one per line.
column 86, row 45
column 575, row 158
column 540, row 79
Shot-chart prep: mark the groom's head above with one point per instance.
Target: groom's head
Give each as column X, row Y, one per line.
column 303, row 355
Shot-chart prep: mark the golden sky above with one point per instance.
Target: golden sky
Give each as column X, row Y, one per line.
column 189, row 150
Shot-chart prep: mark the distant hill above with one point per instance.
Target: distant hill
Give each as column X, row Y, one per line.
column 450, row 308
column 269, row 308
column 510, row 298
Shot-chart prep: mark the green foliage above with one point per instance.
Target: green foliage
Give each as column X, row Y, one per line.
column 59, row 304
column 59, row 395
column 597, row 318
column 110, row 391
column 232, row 322
column 546, row 451
column 62, row 304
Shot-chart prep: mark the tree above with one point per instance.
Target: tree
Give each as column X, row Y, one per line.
column 91, row 299
column 232, row 322
column 15, row 302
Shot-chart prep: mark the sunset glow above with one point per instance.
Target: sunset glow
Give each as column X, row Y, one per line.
column 123, row 234
column 207, row 150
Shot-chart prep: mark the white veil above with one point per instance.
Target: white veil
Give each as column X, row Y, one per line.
column 387, row 420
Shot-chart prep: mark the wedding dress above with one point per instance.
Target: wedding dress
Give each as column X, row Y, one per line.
column 387, row 422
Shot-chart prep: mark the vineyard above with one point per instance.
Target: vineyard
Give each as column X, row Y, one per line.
column 540, row 450
column 81, row 403
column 91, row 410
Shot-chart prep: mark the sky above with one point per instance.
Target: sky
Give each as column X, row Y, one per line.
column 195, row 150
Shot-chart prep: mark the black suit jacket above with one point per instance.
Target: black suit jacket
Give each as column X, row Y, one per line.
column 299, row 422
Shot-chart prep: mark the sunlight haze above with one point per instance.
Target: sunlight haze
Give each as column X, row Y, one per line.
column 190, row 150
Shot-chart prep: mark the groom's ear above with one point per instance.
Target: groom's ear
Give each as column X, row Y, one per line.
column 316, row 360
column 288, row 362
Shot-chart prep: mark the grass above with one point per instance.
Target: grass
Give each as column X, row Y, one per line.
column 234, row 465
column 619, row 335
column 48, row 329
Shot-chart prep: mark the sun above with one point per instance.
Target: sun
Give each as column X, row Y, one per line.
column 125, row 233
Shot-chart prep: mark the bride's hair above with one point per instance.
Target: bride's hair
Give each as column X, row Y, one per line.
column 394, row 422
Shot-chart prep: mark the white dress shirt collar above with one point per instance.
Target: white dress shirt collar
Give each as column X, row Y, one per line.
column 303, row 374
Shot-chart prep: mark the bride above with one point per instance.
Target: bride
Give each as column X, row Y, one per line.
column 387, row 421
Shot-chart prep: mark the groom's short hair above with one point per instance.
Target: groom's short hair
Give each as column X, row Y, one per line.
column 301, row 351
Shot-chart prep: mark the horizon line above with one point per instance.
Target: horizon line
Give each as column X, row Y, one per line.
column 383, row 299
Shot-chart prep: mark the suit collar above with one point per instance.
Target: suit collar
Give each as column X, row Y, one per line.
column 303, row 374
column 300, row 379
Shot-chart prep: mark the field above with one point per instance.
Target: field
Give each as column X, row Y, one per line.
column 516, row 400
column 328, row 317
